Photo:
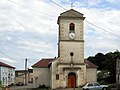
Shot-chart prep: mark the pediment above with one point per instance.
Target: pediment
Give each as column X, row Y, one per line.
column 71, row 13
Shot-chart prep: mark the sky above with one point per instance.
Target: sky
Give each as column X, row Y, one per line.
column 29, row 29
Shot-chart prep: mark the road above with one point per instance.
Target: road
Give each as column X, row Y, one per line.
column 21, row 87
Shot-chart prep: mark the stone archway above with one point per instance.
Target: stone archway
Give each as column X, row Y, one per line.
column 71, row 80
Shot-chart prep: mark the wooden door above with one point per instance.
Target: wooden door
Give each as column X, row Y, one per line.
column 71, row 80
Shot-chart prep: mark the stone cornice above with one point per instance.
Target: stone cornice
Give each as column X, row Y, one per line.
column 72, row 40
column 70, row 63
column 66, row 17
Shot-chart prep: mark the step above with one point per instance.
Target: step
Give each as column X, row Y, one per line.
column 70, row 89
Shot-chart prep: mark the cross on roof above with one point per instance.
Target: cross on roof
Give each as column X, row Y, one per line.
column 72, row 5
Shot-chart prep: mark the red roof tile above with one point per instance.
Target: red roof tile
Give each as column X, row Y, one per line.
column 43, row 62
column 6, row 65
column 90, row 64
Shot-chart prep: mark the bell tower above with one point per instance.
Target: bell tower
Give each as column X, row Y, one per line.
column 69, row 69
column 71, row 36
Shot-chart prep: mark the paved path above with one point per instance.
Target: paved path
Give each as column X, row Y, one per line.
column 29, row 87
column 21, row 87
column 70, row 89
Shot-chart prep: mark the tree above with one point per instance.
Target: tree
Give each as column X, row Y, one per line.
column 106, row 62
column 0, row 85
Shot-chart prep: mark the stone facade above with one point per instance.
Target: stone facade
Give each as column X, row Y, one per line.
column 41, row 78
column 71, row 52
column 68, row 70
column 46, row 70
column 63, row 69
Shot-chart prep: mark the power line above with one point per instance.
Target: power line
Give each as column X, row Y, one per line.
column 58, row 5
column 17, row 58
column 88, row 21
column 64, row 9
column 31, row 62
column 32, row 59
column 30, row 8
column 6, row 55
column 102, row 28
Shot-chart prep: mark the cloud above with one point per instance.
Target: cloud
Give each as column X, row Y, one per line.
column 29, row 28
column 106, row 19
column 99, row 39
column 113, row 1
column 7, row 60
column 37, row 46
column 8, row 38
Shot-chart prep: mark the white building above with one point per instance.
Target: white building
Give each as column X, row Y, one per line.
column 68, row 70
column 7, row 74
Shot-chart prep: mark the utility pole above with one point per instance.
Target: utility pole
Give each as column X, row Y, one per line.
column 118, row 74
column 26, row 71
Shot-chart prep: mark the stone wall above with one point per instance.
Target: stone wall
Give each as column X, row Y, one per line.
column 91, row 74
column 41, row 76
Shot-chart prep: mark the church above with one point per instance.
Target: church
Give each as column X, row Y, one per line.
column 69, row 69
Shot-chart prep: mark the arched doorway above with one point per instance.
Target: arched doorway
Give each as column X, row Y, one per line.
column 71, row 80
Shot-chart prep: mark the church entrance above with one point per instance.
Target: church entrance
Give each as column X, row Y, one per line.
column 71, row 80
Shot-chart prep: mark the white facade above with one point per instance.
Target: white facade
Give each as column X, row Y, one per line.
column 7, row 75
column 91, row 74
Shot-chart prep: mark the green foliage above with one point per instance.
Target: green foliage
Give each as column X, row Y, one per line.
column 103, row 76
column 0, row 84
column 106, row 63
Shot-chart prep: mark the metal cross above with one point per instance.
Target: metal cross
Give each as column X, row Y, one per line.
column 72, row 5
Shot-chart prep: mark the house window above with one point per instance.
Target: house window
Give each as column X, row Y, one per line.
column 57, row 76
column 6, row 80
column 72, row 27
column 11, row 80
column 3, row 80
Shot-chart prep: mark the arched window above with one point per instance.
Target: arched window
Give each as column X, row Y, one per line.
column 72, row 27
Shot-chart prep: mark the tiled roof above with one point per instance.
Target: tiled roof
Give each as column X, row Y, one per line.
column 6, row 65
column 43, row 62
column 90, row 64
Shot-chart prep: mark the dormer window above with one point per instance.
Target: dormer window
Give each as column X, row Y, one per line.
column 72, row 27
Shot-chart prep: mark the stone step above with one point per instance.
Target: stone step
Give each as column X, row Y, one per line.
column 70, row 89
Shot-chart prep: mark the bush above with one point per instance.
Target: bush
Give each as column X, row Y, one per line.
column 112, row 85
column 0, row 84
